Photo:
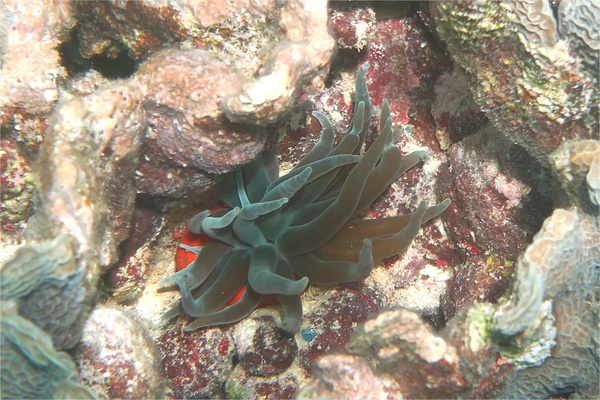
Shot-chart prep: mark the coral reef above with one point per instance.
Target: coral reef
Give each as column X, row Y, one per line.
column 118, row 117
column 577, row 166
column 31, row 367
column 301, row 224
column 398, row 355
column 541, row 340
column 49, row 285
column 577, row 23
column 275, row 45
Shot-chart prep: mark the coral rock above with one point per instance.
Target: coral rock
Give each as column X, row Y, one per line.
column 303, row 55
column 561, row 267
column 578, row 23
column 398, row 355
column 328, row 325
column 31, row 72
column 86, row 167
column 240, row 385
column 31, row 367
column 577, row 166
column 125, row 279
column 185, row 87
column 343, row 377
column 530, row 88
column 17, row 184
column 271, row 350
column 118, row 358
column 352, row 27
column 158, row 177
column 479, row 165
column 196, row 364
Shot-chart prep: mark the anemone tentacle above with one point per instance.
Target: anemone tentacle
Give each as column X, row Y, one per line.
column 304, row 224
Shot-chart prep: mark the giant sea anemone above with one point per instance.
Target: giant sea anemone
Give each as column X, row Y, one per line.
column 304, row 224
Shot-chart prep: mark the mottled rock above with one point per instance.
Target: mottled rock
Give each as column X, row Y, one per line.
column 491, row 168
column 160, row 178
column 185, row 88
column 241, row 385
column 263, row 348
column 405, row 64
column 530, row 88
column 343, row 376
column 301, row 56
column 17, row 184
column 482, row 278
column 261, row 40
column 454, row 110
column 31, row 72
column 328, row 324
column 196, row 364
column 124, row 280
column 397, row 355
column 352, row 27
column 118, row 358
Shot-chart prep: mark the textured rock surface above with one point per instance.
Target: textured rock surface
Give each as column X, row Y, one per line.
column 523, row 86
column 31, row 367
column 125, row 280
column 183, row 108
column 397, row 354
column 269, row 352
column 31, row 72
column 282, row 46
column 17, row 184
column 118, row 358
column 196, row 364
column 508, row 207
column 562, row 266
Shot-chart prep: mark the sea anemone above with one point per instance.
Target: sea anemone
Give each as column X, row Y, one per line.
column 304, row 224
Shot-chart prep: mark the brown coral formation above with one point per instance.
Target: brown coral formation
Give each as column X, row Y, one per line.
column 531, row 90
column 301, row 59
column 279, row 46
column 31, row 73
column 183, row 106
column 578, row 23
column 398, row 355
column 561, row 267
